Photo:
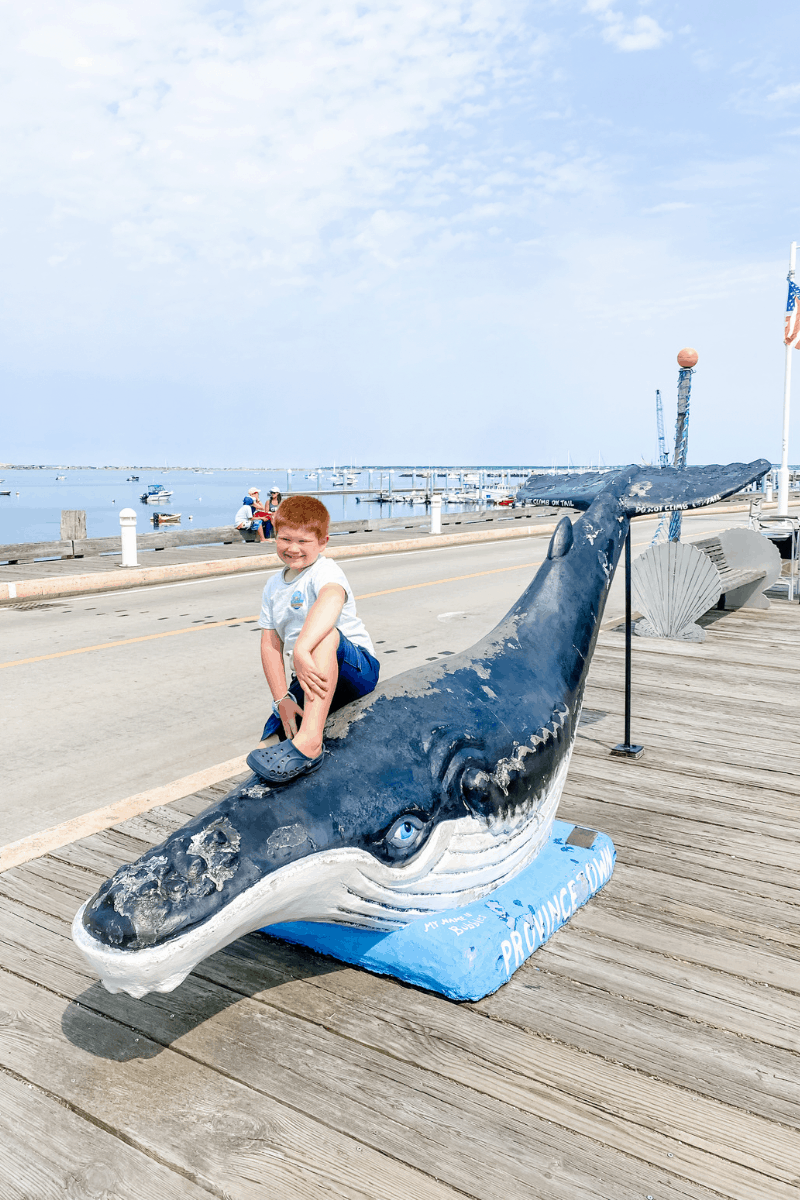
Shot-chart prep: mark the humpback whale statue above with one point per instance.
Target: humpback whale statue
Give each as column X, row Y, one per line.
column 437, row 788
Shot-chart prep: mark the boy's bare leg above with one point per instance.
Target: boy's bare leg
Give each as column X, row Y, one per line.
column 309, row 738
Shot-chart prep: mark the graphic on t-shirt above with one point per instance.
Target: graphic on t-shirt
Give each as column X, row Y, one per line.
column 297, row 600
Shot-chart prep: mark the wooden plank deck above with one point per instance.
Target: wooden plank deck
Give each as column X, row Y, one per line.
column 649, row 1050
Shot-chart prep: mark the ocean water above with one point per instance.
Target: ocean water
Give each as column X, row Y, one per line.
column 32, row 513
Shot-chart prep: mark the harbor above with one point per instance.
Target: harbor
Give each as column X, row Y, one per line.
column 647, row 1050
column 203, row 498
column 30, row 512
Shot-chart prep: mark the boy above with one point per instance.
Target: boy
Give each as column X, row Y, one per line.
column 308, row 610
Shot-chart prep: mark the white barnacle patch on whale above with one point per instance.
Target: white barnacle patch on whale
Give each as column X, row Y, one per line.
column 140, row 895
column 286, row 837
column 217, row 845
column 256, row 791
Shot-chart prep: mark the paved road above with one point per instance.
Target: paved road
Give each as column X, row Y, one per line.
column 120, row 716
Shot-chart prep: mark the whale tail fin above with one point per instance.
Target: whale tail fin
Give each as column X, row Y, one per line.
column 645, row 489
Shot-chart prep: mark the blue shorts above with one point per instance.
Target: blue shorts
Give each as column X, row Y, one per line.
column 358, row 675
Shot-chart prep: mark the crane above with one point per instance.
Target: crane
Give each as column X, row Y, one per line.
column 660, row 429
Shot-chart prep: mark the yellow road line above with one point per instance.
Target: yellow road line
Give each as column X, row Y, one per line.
column 410, row 587
column 149, row 637
column 146, row 637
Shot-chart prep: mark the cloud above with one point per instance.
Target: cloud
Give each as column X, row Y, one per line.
column 250, row 137
column 766, row 99
column 635, row 33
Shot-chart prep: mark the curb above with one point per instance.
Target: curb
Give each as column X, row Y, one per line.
column 121, row 579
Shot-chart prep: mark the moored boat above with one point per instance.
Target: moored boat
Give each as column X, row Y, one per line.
column 156, row 494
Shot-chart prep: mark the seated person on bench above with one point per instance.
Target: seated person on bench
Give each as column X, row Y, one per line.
column 246, row 519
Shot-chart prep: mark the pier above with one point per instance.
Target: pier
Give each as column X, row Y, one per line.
column 648, row 1050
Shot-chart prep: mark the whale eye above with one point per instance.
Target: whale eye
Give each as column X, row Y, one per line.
column 405, row 833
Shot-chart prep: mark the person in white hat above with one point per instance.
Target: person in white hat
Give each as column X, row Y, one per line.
column 246, row 517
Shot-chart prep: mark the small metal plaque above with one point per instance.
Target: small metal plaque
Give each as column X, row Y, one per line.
column 580, row 836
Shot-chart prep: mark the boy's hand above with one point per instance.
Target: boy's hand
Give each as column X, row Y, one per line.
column 310, row 677
column 289, row 711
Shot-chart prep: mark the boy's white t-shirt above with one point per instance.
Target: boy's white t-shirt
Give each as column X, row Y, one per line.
column 285, row 606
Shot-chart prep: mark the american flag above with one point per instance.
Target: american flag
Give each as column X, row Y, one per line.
column 792, row 319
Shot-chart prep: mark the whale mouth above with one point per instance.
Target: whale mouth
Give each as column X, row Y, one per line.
column 462, row 860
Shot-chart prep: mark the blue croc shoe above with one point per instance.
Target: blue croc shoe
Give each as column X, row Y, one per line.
column 279, row 764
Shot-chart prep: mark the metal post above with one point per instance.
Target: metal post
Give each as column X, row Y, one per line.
column 784, row 472
column 436, row 513
column 128, row 538
column 625, row 749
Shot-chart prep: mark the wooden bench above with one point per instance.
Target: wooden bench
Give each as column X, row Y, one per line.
column 675, row 583
column 747, row 564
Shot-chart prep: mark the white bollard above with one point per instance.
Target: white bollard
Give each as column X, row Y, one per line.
column 436, row 513
column 128, row 538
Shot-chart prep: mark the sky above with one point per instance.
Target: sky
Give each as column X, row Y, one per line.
column 431, row 231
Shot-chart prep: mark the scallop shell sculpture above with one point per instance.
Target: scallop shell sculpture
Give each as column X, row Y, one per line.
column 673, row 584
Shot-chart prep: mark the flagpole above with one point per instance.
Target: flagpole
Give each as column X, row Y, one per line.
column 784, row 471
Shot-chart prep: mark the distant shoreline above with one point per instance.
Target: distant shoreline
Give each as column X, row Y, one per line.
column 573, row 468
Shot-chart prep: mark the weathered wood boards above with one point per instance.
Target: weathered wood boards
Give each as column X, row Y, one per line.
column 648, row 1049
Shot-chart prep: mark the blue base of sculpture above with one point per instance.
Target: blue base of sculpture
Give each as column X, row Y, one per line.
column 467, row 953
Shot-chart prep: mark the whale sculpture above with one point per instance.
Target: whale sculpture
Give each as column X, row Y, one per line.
column 437, row 788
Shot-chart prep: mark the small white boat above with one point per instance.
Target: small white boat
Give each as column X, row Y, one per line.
column 156, row 494
column 61, row 476
column 165, row 518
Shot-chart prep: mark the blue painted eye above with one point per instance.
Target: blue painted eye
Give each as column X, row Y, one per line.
column 405, row 833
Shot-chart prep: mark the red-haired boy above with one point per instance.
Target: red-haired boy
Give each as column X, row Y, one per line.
column 308, row 612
